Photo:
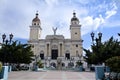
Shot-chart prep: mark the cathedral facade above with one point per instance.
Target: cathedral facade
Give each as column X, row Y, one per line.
column 56, row 51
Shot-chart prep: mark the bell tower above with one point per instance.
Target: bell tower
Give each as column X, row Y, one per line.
column 35, row 28
column 75, row 28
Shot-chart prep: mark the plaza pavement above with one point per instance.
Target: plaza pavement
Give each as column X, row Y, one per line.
column 51, row 75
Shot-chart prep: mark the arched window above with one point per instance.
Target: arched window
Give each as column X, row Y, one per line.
column 63, row 64
column 76, row 45
column 34, row 23
column 77, row 54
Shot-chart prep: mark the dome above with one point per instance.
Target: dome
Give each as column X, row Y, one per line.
column 36, row 19
column 74, row 18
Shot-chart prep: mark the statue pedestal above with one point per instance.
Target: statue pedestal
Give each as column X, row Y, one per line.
column 59, row 64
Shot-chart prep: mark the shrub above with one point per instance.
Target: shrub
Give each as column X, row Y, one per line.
column 40, row 64
column 114, row 63
column 79, row 63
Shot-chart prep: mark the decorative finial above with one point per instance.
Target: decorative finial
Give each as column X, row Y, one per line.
column 74, row 14
column 36, row 13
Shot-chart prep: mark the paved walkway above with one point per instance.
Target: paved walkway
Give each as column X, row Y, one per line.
column 51, row 75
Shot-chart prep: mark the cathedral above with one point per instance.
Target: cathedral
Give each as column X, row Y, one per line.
column 56, row 51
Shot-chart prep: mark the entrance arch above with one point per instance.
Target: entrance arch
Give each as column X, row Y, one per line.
column 67, row 54
column 54, row 52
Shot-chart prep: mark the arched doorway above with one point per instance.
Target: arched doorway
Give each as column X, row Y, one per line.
column 67, row 54
column 54, row 52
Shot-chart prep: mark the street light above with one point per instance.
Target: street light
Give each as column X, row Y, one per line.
column 96, row 46
column 3, row 37
column 11, row 36
column 98, row 40
column 6, row 40
column 92, row 36
column 100, row 36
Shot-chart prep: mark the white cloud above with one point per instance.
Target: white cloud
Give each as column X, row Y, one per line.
column 110, row 13
column 51, row 2
column 91, row 24
column 52, row 13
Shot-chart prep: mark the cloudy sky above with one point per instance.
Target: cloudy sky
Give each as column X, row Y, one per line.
column 94, row 15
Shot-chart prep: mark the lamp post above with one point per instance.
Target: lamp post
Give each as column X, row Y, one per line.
column 97, row 44
column 98, row 40
column 92, row 36
column 6, row 42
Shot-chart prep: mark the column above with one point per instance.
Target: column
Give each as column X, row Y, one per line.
column 60, row 49
column 63, row 52
column 47, row 49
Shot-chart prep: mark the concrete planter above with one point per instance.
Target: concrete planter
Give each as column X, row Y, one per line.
column 81, row 68
column 35, row 68
column 9, row 68
column 4, row 73
column 41, row 69
column 99, row 72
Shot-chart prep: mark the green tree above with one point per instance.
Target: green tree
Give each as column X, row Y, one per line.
column 114, row 63
column 95, row 56
column 79, row 63
column 88, row 56
column 100, row 52
column 16, row 53
column 40, row 64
